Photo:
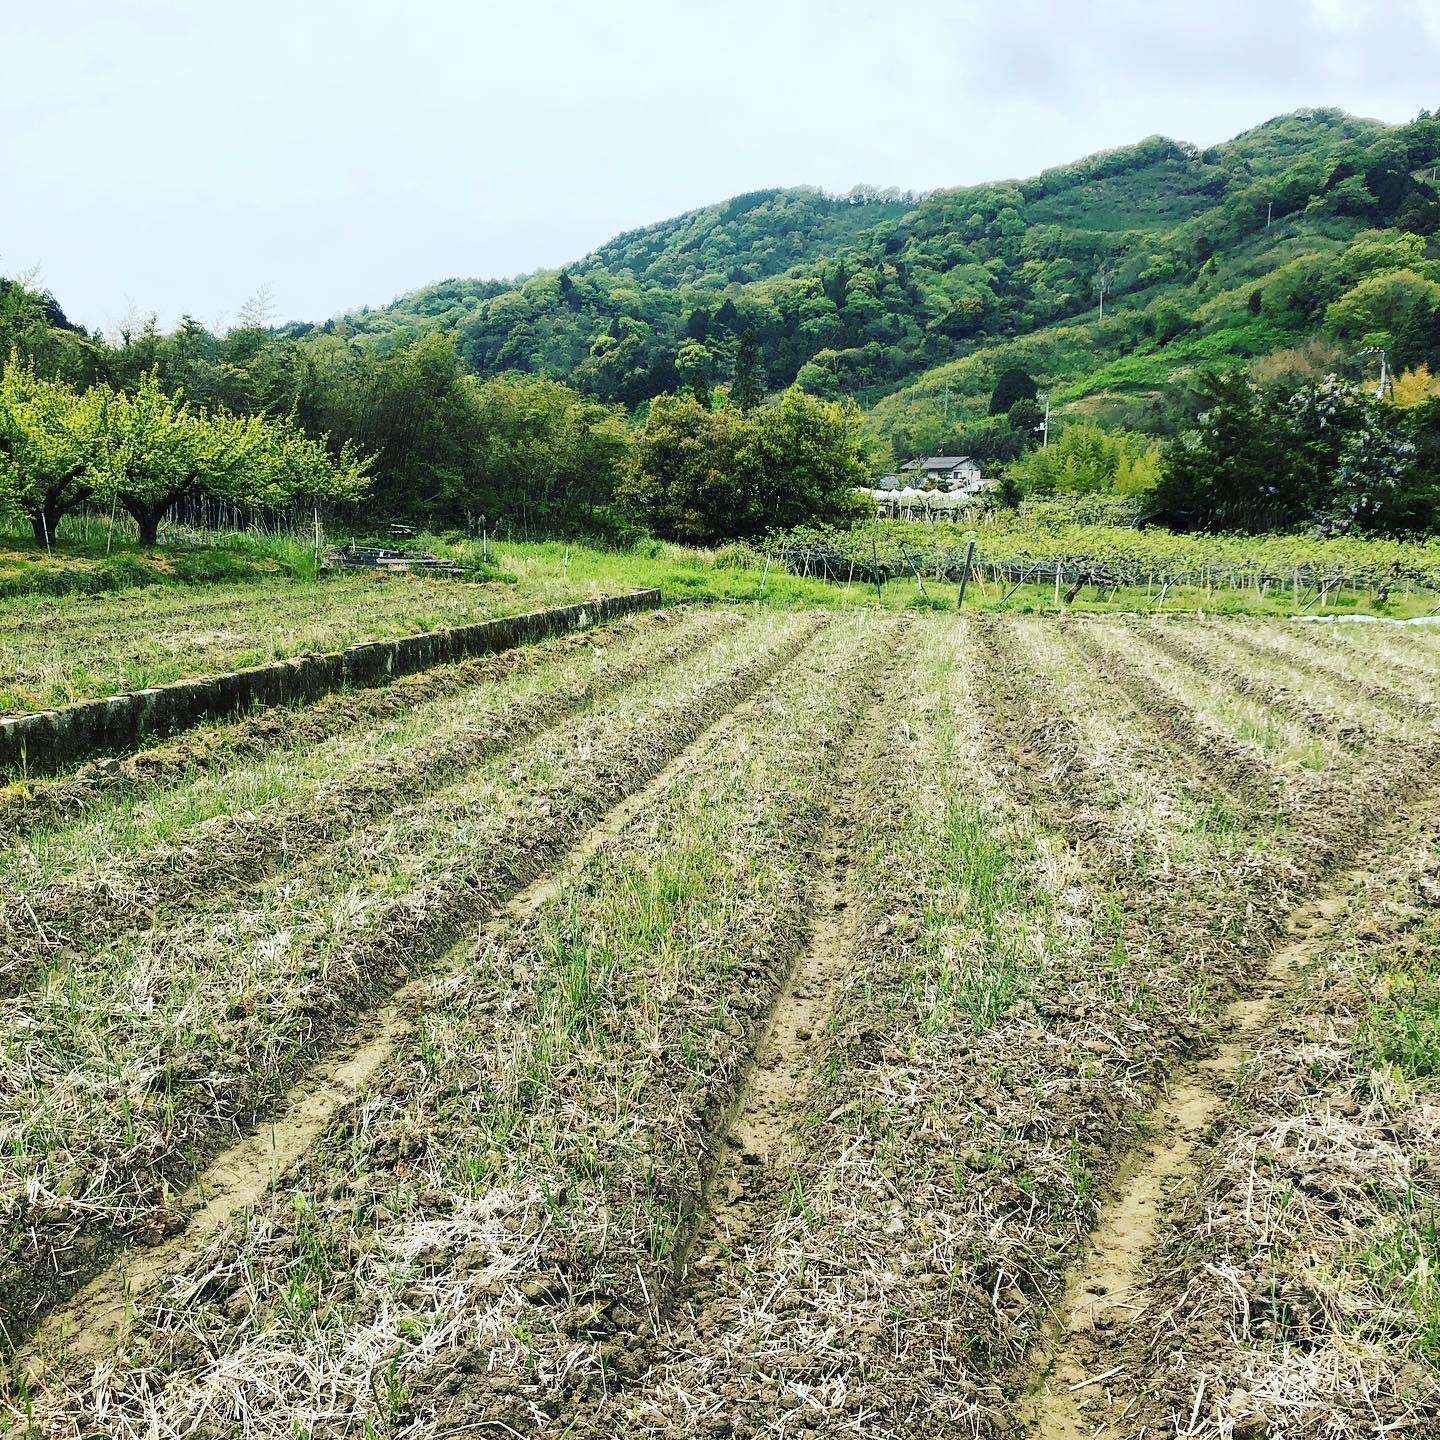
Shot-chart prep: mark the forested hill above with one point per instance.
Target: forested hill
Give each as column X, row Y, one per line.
column 867, row 294
column 546, row 323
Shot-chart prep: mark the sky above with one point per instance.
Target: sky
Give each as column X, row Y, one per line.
column 168, row 157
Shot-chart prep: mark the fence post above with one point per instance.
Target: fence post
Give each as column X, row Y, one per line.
column 965, row 574
column 909, row 560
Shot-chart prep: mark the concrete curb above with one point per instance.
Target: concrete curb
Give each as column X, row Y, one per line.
column 43, row 742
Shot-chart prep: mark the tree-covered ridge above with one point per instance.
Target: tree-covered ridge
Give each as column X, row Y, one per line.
column 1111, row 285
column 856, row 296
column 746, row 238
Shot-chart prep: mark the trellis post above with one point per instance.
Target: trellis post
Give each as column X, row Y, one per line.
column 965, row 573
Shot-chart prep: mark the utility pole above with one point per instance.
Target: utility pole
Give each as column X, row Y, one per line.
column 1045, row 425
column 947, row 404
column 1269, row 213
column 1104, row 278
column 1385, row 382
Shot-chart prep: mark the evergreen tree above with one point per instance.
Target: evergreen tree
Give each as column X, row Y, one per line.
column 748, row 388
column 1011, row 385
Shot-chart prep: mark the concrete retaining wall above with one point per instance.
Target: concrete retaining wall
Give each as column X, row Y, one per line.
column 42, row 743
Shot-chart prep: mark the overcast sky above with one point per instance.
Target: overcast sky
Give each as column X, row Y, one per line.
column 176, row 155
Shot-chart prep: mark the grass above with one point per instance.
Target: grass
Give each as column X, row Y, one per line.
column 134, row 1046
column 1401, row 1026
column 71, row 650
column 557, row 1090
column 1049, row 896
column 86, row 558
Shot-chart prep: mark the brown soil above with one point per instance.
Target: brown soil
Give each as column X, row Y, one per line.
column 1092, row 1365
column 1242, row 769
column 417, row 939
column 1091, row 1376
column 761, row 1138
column 1322, row 669
column 1205, row 661
column 28, row 805
column 757, row 1126
column 237, row 850
column 1041, row 750
column 95, row 1322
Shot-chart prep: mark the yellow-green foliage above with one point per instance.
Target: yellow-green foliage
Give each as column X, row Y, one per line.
column 1090, row 460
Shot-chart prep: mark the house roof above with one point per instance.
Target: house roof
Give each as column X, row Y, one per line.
column 935, row 462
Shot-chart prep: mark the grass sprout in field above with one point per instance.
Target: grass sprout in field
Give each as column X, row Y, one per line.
column 137, row 1051
column 799, row 1095
column 519, row 1180
column 61, row 650
column 239, row 823
column 1308, row 1255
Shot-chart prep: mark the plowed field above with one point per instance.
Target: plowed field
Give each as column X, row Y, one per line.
column 737, row 1024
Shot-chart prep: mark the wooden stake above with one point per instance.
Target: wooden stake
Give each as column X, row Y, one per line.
column 965, row 574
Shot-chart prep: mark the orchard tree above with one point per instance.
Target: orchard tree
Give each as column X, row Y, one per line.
column 543, row 456
column 703, row 476
column 51, row 440
column 158, row 451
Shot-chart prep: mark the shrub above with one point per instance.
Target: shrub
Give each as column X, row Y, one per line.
column 738, row 556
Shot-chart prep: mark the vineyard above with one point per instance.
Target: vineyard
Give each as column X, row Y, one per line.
column 740, row 1022
column 1304, row 573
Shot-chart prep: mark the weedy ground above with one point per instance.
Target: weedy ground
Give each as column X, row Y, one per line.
column 55, row 650
column 745, row 1024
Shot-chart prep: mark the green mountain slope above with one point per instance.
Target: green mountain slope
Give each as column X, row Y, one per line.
column 1200, row 255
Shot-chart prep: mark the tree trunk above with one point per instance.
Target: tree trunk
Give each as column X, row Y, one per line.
column 43, row 520
column 147, row 518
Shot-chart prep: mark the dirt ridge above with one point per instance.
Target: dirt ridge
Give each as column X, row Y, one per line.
column 242, row 849
column 1089, row 1370
column 418, row 940
column 94, row 1322
column 28, row 805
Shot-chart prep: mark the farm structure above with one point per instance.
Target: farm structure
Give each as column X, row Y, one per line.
column 741, row 1022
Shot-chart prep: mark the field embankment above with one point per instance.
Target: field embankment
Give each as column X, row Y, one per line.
column 43, row 742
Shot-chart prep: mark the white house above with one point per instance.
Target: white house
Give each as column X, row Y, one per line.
column 956, row 474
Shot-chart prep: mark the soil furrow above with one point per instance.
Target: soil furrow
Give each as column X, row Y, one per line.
column 1331, row 672
column 1242, row 769
column 93, row 1323
column 1044, row 750
column 582, row 1278
column 1093, row 1368
column 1184, row 648
column 760, row 1136
column 60, row 1232
column 238, row 850
column 26, row 806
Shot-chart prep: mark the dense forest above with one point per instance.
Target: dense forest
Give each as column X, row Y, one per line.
column 1174, row 241
column 1115, row 289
